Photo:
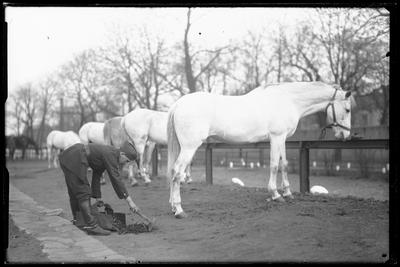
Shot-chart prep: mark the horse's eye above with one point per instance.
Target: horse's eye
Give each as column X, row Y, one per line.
column 347, row 110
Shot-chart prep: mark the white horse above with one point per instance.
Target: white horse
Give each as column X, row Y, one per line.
column 266, row 113
column 92, row 132
column 145, row 128
column 115, row 136
column 59, row 140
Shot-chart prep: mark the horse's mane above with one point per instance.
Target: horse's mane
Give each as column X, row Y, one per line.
column 293, row 86
column 301, row 91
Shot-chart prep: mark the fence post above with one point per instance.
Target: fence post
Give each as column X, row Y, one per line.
column 154, row 161
column 304, row 166
column 209, row 177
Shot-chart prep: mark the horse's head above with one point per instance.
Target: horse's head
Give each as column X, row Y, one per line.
column 339, row 114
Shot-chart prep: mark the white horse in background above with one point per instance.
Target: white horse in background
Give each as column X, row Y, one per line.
column 92, row 132
column 115, row 136
column 145, row 128
column 59, row 140
column 266, row 113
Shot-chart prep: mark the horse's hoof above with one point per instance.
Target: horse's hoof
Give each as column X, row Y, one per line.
column 279, row 199
column 289, row 196
column 181, row 215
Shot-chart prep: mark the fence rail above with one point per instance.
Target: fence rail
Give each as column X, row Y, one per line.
column 303, row 147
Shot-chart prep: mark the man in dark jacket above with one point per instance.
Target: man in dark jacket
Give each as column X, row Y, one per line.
column 74, row 162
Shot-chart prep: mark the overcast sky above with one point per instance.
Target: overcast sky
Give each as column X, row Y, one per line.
column 40, row 39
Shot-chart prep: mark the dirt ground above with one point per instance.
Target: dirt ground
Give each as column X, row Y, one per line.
column 230, row 223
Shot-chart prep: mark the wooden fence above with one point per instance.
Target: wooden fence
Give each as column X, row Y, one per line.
column 302, row 146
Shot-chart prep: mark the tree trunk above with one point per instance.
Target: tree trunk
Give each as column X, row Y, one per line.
column 39, row 136
column 191, row 82
column 61, row 114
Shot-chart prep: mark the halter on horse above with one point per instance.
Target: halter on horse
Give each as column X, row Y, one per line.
column 334, row 120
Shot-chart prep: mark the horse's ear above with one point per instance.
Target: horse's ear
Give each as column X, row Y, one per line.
column 348, row 94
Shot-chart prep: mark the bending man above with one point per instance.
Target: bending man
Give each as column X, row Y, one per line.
column 74, row 162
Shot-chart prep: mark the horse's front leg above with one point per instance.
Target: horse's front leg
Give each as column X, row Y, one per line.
column 276, row 143
column 148, row 152
column 131, row 175
column 140, row 148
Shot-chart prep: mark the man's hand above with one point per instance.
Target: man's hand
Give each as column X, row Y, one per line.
column 132, row 205
column 134, row 209
column 99, row 202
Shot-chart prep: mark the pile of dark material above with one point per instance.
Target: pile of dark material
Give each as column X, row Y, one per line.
column 118, row 221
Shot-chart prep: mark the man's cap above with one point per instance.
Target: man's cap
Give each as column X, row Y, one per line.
column 129, row 150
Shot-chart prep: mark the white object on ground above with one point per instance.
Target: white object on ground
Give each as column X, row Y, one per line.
column 237, row 181
column 317, row 189
column 231, row 164
column 337, row 167
column 348, row 165
column 314, row 163
column 383, row 170
column 251, row 165
column 54, row 212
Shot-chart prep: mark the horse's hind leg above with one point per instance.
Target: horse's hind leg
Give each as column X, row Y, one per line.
column 276, row 144
column 183, row 160
column 285, row 180
column 49, row 157
column 188, row 175
column 131, row 175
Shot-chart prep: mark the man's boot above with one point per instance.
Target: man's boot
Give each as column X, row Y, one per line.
column 74, row 209
column 91, row 227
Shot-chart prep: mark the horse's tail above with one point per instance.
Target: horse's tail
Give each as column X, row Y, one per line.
column 107, row 133
column 173, row 143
